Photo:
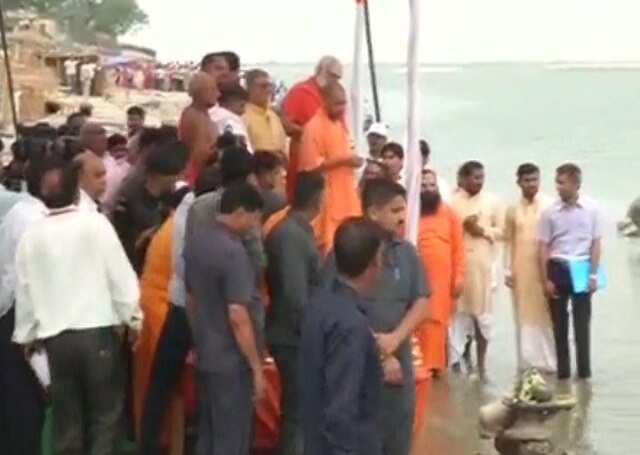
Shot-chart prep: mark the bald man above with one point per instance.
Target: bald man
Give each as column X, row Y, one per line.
column 196, row 129
column 325, row 147
column 300, row 104
column 92, row 181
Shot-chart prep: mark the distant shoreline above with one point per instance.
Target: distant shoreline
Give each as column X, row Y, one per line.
column 560, row 64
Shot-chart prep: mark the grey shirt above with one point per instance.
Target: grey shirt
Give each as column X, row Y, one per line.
column 203, row 212
column 293, row 274
column 570, row 229
column 402, row 281
column 218, row 272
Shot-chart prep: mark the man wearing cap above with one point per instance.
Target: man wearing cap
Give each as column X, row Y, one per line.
column 377, row 135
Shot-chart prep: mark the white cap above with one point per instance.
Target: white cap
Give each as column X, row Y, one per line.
column 378, row 128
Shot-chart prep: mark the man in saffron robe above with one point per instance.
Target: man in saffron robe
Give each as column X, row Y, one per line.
column 196, row 129
column 482, row 222
column 325, row 147
column 534, row 332
column 300, row 104
column 442, row 254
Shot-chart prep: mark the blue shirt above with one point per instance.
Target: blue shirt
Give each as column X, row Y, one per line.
column 177, row 292
column 340, row 376
column 570, row 229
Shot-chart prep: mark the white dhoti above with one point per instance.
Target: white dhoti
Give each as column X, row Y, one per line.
column 462, row 325
column 536, row 348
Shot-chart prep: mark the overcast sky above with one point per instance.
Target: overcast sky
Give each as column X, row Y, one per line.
column 451, row 30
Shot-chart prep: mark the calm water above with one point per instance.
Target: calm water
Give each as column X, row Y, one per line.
column 504, row 115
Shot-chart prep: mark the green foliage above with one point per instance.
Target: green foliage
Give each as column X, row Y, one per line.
column 83, row 20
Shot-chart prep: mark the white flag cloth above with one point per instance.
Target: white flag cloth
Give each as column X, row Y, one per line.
column 413, row 161
column 356, row 97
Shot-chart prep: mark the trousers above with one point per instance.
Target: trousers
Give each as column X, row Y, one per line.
column 397, row 418
column 87, row 391
column 558, row 274
column 225, row 410
column 286, row 359
column 21, row 397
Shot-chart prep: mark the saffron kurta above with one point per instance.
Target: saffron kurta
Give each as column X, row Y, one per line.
column 533, row 322
column 154, row 301
column 442, row 254
column 324, row 139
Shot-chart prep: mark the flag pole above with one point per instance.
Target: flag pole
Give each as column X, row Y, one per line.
column 7, row 65
column 372, row 63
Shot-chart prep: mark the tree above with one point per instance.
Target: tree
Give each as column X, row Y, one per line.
column 82, row 20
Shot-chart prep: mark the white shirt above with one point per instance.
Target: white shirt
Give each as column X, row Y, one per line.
column 87, row 71
column 21, row 216
column 86, row 203
column 230, row 121
column 71, row 67
column 73, row 274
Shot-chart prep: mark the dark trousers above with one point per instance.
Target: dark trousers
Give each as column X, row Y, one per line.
column 397, row 418
column 286, row 358
column 174, row 344
column 21, row 397
column 87, row 391
column 225, row 411
column 581, row 306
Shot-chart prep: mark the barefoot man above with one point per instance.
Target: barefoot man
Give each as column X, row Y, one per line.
column 442, row 253
column 482, row 221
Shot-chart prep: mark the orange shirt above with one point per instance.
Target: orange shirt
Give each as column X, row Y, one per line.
column 198, row 133
column 325, row 139
column 299, row 105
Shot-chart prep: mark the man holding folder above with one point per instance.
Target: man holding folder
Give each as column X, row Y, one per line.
column 569, row 234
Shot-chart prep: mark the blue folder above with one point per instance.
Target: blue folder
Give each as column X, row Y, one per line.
column 579, row 270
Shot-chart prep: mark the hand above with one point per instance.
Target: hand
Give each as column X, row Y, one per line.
column 508, row 280
column 472, row 228
column 145, row 237
column 133, row 338
column 456, row 289
column 469, row 221
column 355, row 161
column 120, row 331
column 550, row 290
column 259, row 385
column 387, row 343
column 592, row 286
column 392, row 370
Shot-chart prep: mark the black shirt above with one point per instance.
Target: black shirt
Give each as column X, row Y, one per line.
column 340, row 376
column 136, row 212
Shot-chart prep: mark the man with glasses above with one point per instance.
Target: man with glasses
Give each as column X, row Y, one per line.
column 263, row 124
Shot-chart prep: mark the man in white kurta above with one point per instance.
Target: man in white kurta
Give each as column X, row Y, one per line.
column 483, row 221
column 534, row 332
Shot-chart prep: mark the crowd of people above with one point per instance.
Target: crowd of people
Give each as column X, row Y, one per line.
column 243, row 233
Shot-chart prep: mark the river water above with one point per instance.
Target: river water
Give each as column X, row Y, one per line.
column 504, row 115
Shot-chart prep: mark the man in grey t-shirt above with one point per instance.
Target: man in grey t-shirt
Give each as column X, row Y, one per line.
column 221, row 282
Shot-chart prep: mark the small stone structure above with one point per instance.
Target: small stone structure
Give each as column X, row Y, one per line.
column 522, row 428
